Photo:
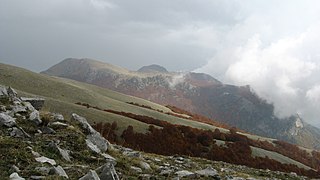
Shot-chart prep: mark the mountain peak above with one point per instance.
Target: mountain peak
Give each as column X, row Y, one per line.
column 153, row 68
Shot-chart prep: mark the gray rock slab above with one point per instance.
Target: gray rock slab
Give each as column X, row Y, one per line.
column 91, row 175
column 43, row 159
column 208, row 172
column 59, row 171
column 15, row 176
column 7, row 120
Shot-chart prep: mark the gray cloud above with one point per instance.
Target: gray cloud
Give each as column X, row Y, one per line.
column 271, row 45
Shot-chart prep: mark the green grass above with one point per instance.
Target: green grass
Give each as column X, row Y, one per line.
column 258, row 152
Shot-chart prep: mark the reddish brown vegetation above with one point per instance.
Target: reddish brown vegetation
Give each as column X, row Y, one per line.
column 107, row 130
column 176, row 139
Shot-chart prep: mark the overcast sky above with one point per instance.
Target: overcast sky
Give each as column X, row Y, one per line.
column 272, row 45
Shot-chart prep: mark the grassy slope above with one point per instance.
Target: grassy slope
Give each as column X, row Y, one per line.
column 61, row 94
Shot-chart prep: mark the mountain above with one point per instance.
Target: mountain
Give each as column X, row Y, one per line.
column 195, row 92
column 134, row 123
column 152, row 68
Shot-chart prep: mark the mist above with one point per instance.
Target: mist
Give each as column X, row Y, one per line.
column 270, row 45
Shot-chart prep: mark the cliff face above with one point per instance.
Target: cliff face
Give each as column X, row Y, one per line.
column 195, row 92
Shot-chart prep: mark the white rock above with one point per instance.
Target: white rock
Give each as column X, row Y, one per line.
column 144, row 165
column 43, row 159
column 184, row 173
column 91, row 175
column 59, row 171
column 15, row 176
column 7, row 120
column 207, row 172
column 35, row 117
column 137, row 169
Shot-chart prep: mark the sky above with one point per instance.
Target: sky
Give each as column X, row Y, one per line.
column 271, row 45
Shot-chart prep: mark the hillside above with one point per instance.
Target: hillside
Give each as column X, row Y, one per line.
column 44, row 145
column 194, row 92
column 126, row 120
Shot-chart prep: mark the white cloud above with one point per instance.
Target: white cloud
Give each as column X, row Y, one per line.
column 102, row 4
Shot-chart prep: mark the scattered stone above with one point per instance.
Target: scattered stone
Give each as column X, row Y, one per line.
column 47, row 130
column 59, row 171
column 58, row 125
column 157, row 160
column 184, row 173
column 15, row 168
column 227, row 170
column 43, row 170
column 18, row 109
column 37, row 103
column 166, row 172
column 64, row 153
column 132, row 154
column 3, row 108
column 57, row 117
column 91, row 175
column 293, row 174
column 15, row 132
column 84, row 123
column 144, row 165
column 93, row 147
column 35, row 154
column 43, row 159
column 108, row 171
column 28, row 106
column 37, row 177
column 3, row 92
column 108, row 157
column 208, row 172
column 15, row 176
column 7, row 120
column 35, row 117
column 137, row 169
column 180, row 158
column 11, row 92
column 145, row 176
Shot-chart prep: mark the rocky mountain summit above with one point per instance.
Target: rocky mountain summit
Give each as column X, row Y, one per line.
column 198, row 93
column 37, row 144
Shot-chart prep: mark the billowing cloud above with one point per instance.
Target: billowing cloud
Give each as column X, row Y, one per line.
column 271, row 45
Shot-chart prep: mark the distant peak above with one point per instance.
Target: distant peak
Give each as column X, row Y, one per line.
column 153, row 68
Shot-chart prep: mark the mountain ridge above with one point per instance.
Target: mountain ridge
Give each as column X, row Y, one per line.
column 202, row 94
column 104, row 106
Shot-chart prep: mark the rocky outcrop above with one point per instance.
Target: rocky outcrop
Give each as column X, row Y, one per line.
column 18, row 114
column 37, row 103
column 94, row 140
column 6, row 120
